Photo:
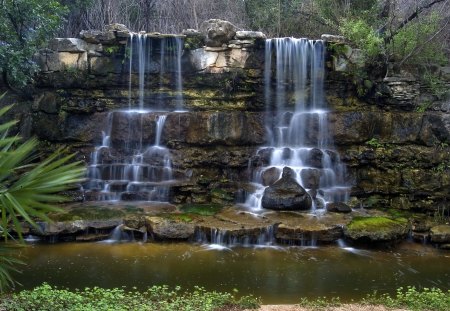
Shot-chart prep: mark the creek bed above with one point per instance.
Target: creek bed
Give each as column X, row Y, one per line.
column 277, row 275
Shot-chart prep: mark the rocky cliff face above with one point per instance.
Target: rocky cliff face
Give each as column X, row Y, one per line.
column 397, row 152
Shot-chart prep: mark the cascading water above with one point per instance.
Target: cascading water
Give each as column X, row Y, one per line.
column 298, row 131
column 131, row 163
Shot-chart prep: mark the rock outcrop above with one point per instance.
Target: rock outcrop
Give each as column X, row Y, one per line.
column 390, row 133
column 217, row 32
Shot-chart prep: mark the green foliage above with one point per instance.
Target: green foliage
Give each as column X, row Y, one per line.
column 374, row 143
column 363, row 35
column 320, row 303
column 335, row 10
column 435, row 84
column 27, row 188
column 423, row 106
column 48, row 298
column 441, row 167
column 413, row 39
column 413, row 299
column 25, row 26
column 111, row 50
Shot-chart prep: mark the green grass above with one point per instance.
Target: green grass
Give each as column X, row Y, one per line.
column 162, row 298
column 201, row 209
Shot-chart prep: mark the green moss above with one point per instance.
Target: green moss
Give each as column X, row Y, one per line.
column 398, row 213
column 94, row 212
column 201, row 209
column 221, row 194
column 193, row 42
column 374, row 223
column 182, row 217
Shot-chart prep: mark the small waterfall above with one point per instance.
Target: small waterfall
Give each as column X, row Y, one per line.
column 118, row 235
column 215, row 238
column 298, row 129
column 131, row 171
column 132, row 163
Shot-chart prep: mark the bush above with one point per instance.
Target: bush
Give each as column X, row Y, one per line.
column 413, row 299
column 162, row 298
column 363, row 35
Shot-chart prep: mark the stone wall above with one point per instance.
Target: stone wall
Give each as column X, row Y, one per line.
column 397, row 154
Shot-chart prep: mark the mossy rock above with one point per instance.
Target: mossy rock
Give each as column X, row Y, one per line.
column 221, row 195
column 440, row 234
column 194, row 42
column 179, row 217
column 201, row 209
column 376, row 228
column 94, row 213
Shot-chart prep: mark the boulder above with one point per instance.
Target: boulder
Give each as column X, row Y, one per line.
column 270, row 176
column 376, row 229
column 191, row 32
column 201, row 59
column 310, row 178
column 333, row 38
column 68, row 45
column 73, row 227
column 90, row 36
column 309, row 234
column 168, row 229
column 236, row 58
column 117, row 27
column 338, row 207
column 217, row 32
column 440, row 234
column 97, row 36
column 286, row 194
column 243, row 35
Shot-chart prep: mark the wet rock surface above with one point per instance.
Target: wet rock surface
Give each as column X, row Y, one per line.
column 394, row 140
column 232, row 225
column 286, row 194
column 376, row 229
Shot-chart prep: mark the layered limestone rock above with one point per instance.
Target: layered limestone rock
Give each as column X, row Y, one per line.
column 393, row 140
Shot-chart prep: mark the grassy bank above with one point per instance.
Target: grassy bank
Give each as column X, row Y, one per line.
column 161, row 298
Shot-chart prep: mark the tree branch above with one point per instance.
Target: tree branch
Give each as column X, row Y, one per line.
column 417, row 49
column 410, row 18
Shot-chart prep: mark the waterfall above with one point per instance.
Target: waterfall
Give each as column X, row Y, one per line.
column 297, row 123
column 216, row 238
column 132, row 163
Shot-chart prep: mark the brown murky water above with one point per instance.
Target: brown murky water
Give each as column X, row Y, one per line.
column 277, row 275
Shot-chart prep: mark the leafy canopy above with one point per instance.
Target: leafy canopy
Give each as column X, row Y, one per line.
column 25, row 26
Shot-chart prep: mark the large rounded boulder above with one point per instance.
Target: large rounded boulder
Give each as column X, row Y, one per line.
column 217, row 32
column 286, row 194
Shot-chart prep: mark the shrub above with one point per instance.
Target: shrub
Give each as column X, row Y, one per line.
column 162, row 298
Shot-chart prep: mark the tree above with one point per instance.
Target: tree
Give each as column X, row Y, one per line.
column 25, row 26
column 28, row 189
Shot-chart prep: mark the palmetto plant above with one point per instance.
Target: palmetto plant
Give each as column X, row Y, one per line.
column 28, row 190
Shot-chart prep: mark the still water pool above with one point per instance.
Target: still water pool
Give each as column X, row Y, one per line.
column 277, row 275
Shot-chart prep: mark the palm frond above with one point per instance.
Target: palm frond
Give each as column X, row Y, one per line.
column 28, row 189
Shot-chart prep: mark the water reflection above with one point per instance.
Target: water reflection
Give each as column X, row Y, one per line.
column 278, row 275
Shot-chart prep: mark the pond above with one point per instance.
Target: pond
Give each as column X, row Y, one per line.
column 277, row 275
